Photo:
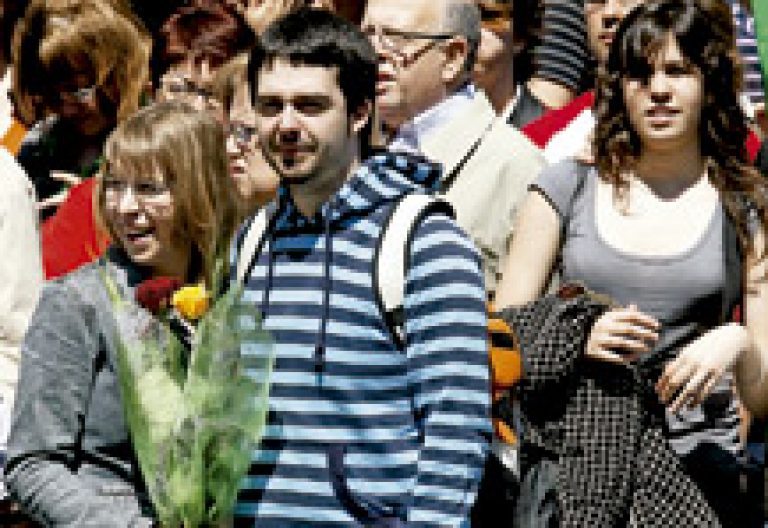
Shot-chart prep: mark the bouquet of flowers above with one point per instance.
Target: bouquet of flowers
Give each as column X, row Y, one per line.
column 195, row 406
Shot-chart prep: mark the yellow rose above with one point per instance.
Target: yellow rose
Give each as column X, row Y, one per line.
column 191, row 301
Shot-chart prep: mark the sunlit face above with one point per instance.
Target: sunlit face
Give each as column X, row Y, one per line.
column 496, row 49
column 603, row 19
column 191, row 83
column 304, row 128
column 252, row 174
column 142, row 213
column 665, row 109
column 410, row 69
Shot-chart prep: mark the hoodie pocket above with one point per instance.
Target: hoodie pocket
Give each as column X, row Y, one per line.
column 367, row 510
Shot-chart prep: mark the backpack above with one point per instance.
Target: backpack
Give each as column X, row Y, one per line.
column 390, row 259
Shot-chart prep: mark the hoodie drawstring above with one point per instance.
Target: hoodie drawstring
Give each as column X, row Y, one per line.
column 320, row 343
column 319, row 354
column 270, row 241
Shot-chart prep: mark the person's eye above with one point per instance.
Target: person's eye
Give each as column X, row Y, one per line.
column 149, row 188
column 310, row 106
column 268, row 107
column 677, row 70
column 113, row 185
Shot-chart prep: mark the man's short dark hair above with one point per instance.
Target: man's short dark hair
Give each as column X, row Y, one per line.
column 317, row 37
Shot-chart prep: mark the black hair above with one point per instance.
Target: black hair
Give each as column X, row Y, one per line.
column 317, row 37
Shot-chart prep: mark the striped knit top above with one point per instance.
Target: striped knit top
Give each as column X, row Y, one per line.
column 361, row 432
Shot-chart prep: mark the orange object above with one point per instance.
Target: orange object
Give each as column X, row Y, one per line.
column 506, row 367
column 13, row 137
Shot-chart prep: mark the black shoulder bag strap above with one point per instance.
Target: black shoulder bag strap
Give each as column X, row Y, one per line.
column 450, row 179
column 732, row 295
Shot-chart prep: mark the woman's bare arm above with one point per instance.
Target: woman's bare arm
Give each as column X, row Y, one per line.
column 533, row 252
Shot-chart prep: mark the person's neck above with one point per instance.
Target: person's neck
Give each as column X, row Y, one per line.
column 668, row 172
column 176, row 265
column 503, row 90
column 310, row 196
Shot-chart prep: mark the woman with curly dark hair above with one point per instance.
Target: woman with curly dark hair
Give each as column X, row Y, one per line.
column 670, row 224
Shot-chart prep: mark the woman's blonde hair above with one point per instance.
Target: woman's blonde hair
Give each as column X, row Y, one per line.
column 229, row 78
column 56, row 38
column 187, row 147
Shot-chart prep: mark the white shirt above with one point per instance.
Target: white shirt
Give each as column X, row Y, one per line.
column 21, row 277
column 6, row 108
column 572, row 139
column 410, row 134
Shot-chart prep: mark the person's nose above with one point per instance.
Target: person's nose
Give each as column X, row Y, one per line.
column 127, row 202
column 613, row 13
column 288, row 125
column 659, row 88
column 377, row 41
column 233, row 149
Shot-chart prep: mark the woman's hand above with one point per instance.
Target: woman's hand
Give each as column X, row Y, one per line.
column 622, row 335
column 691, row 376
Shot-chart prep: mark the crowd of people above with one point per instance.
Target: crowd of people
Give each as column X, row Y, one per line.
column 390, row 180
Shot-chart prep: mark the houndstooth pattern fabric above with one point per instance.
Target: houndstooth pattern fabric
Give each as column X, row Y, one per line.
column 661, row 501
column 596, row 419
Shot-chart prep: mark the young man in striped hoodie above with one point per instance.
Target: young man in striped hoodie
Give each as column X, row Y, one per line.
column 366, row 428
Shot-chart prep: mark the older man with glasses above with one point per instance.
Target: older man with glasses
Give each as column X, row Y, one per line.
column 428, row 105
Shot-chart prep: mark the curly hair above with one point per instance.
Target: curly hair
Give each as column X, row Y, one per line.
column 705, row 37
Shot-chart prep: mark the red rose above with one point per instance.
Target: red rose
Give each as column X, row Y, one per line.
column 155, row 294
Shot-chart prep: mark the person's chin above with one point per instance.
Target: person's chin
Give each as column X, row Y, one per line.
column 296, row 177
column 141, row 252
column 390, row 111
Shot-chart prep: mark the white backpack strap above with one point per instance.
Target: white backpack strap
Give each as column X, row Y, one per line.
column 391, row 257
column 252, row 241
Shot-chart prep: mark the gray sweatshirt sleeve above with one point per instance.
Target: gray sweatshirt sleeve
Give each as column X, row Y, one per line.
column 48, row 419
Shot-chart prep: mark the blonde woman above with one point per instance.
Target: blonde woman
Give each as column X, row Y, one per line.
column 167, row 201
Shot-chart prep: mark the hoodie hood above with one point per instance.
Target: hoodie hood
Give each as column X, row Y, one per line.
column 379, row 181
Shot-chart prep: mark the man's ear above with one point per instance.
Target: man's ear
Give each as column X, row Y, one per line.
column 456, row 53
column 360, row 116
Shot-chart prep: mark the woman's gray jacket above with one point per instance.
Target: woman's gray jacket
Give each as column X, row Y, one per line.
column 70, row 461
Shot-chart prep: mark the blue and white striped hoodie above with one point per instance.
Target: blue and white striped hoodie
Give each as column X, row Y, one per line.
column 360, row 432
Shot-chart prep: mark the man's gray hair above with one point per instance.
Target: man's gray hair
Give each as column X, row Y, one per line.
column 462, row 17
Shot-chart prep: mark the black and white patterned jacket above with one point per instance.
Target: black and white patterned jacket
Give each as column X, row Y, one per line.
column 598, row 423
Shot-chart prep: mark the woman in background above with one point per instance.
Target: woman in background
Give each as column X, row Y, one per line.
column 78, row 68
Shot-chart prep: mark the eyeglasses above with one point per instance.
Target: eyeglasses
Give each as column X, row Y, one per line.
column 77, row 95
column 180, row 86
column 242, row 134
column 624, row 4
column 145, row 191
column 394, row 41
